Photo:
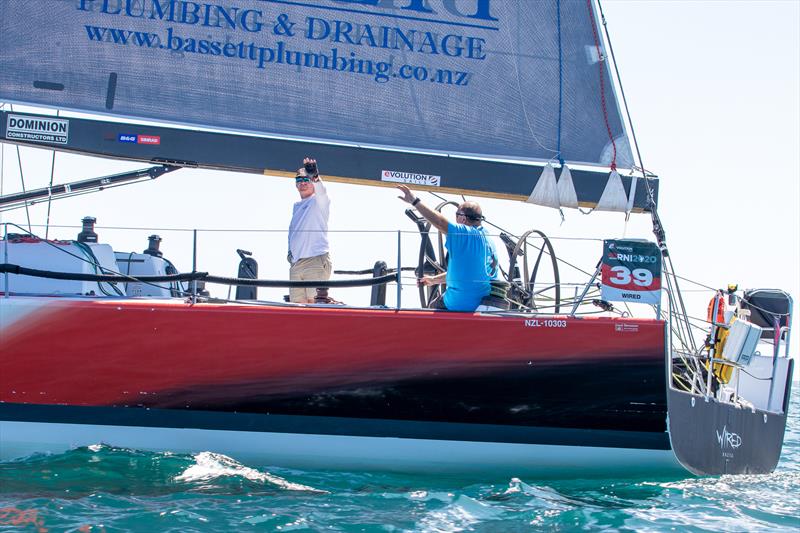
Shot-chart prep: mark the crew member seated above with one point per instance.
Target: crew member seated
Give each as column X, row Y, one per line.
column 473, row 260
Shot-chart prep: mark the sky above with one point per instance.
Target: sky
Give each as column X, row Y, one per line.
column 714, row 92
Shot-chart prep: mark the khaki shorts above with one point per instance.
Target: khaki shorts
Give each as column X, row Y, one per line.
column 309, row 268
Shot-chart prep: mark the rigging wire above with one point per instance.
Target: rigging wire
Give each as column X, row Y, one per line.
column 567, row 263
column 517, row 237
column 520, row 92
column 560, row 84
column 622, row 93
column 91, row 259
column 2, row 167
column 22, row 178
column 658, row 228
column 647, row 176
column 765, row 310
column 679, row 307
column 582, row 271
column 95, row 262
column 50, row 197
column 696, row 283
column 600, row 62
column 12, row 207
column 2, row 157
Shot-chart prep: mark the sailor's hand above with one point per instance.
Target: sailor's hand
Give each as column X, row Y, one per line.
column 408, row 196
column 310, row 166
column 425, row 281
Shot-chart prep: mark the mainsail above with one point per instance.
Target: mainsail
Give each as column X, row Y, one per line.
column 486, row 79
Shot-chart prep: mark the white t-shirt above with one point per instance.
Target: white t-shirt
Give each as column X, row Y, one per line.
column 308, row 231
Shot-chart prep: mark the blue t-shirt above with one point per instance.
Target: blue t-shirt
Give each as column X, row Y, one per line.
column 472, row 264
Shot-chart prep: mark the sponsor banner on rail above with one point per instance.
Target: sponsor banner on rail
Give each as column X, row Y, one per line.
column 631, row 271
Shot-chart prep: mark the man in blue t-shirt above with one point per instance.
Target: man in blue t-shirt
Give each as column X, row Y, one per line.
column 472, row 261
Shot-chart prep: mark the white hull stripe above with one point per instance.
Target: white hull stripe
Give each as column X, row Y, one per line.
column 309, row 451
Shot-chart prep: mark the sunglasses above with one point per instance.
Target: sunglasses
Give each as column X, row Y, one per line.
column 301, row 179
column 471, row 217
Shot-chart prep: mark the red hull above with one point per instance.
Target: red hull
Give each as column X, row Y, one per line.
column 97, row 352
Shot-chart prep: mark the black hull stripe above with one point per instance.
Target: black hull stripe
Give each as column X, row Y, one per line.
column 314, row 425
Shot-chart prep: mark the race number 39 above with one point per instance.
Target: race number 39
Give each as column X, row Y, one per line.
column 631, row 271
column 622, row 276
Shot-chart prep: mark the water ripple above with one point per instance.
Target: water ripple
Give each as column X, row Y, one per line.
column 101, row 488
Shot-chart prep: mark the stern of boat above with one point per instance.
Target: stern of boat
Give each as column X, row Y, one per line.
column 727, row 403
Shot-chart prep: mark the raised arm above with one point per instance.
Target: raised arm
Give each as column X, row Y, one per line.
column 310, row 165
column 436, row 219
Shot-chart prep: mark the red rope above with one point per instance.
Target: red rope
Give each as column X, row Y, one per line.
column 602, row 84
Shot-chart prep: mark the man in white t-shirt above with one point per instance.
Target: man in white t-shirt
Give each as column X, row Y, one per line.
column 308, row 233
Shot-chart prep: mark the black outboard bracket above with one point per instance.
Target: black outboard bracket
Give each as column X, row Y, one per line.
column 248, row 269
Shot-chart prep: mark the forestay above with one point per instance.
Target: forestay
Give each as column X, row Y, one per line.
column 496, row 78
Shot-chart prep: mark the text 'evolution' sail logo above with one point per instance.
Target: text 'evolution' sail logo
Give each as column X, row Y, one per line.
column 410, row 177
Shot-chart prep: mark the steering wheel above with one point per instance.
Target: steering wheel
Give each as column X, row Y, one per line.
column 523, row 282
column 429, row 263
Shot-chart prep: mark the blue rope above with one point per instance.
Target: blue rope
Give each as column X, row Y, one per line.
column 560, row 81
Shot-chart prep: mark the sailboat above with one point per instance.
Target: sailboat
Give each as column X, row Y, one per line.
column 486, row 98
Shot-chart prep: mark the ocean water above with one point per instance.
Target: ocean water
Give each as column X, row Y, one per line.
column 105, row 489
